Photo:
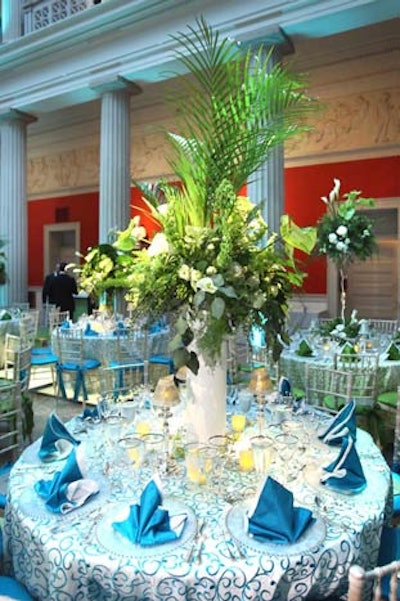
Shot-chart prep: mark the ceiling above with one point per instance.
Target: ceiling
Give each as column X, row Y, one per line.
column 316, row 32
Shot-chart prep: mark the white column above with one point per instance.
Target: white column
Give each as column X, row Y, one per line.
column 265, row 186
column 11, row 15
column 115, row 143
column 13, row 204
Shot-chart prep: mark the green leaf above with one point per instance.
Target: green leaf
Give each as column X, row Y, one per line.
column 199, row 298
column 217, row 307
column 228, row 291
column 303, row 238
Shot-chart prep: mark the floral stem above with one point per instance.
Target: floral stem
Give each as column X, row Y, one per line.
column 342, row 293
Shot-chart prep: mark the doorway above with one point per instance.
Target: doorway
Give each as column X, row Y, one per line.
column 61, row 243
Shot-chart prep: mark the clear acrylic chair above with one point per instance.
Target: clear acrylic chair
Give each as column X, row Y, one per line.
column 384, row 326
column 364, row 367
column 359, row 579
column 11, row 422
column 327, row 388
column 57, row 318
column 72, row 366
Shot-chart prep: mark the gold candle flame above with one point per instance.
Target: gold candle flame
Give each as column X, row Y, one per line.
column 260, row 381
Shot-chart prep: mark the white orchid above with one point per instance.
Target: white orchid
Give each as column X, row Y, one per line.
column 332, row 238
column 207, row 285
column 159, row 245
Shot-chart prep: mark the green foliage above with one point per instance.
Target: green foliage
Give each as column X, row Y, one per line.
column 344, row 234
column 209, row 267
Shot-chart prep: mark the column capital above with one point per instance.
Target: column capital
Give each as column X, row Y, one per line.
column 16, row 115
column 115, row 84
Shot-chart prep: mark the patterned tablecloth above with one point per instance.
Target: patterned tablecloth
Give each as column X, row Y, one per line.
column 80, row 556
column 294, row 367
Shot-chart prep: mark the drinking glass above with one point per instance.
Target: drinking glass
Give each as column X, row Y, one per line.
column 200, row 463
column 154, row 445
column 262, row 453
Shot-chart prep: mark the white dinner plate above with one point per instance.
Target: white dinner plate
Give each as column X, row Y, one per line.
column 237, row 523
column 117, row 544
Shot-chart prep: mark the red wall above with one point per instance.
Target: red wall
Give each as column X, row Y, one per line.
column 304, row 186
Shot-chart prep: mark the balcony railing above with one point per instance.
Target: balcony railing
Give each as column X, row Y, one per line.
column 42, row 13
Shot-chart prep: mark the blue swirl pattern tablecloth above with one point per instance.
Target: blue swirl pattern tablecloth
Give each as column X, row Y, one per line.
column 61, row 558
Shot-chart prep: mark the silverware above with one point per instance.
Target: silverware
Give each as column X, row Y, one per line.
column 195, row 540
column 227, row 544
column 200, row 544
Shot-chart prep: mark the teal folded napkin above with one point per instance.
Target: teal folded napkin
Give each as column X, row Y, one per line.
column 393, row 352
column 342, row 425
column 275, row 519
column 148, row 523
column 345, row 474
column 304, row 349
column 68, row 489
column 5, row 316
column 65, row 325
column 56, row 439
column 89, row 332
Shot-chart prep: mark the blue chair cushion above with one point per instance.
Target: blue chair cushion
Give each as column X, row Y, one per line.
column 45, row 359
column 9, row 587
column 41, row 350
column 87, row 364
column 389, row 551
column 163, row 360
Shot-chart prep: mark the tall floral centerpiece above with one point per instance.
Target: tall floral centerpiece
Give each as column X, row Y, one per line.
column 345, row 234
column 213, row 266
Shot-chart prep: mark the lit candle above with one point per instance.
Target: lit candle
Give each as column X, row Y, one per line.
column 142, row 428
column 246, row 462
column 238, row 422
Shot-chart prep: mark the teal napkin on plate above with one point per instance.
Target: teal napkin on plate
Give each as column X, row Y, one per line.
column 275, row 519
column 343, row 424
column 393, row 352
column 89, row 332
column 55, row 436
column 68, row 489
column 345, row 474
column 148, row 523
column 304, row 349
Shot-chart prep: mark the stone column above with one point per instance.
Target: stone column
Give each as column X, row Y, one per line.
column 13, row 204
column 11, row 15
column 115, row 143
column 266, row 185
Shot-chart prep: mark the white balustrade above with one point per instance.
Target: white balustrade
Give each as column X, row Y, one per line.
column 42, row 13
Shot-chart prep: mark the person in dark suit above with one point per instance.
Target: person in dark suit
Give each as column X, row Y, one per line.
column 59, row 289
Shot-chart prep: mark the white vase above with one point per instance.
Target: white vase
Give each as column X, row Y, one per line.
column 206, row 403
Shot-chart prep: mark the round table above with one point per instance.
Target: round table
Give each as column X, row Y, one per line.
column 79, row 556
column 294, row 367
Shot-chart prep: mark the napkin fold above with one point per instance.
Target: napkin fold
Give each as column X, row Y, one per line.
column 275, row 519
column 284, row 386
column 65, row 325
column 304, row 349
column 89, row 331
column 55, row 437
column 345, row 474
column 148, row 523
column 347, row 351
column 91, row 413
column 68, row 489
column 343, row 424
column 393, row 352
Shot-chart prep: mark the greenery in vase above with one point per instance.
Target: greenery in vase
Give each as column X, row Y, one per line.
column 214, row 266
column 345, row 234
